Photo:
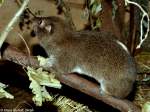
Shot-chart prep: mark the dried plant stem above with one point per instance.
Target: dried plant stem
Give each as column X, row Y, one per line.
column 28, row 49
column 9, row 27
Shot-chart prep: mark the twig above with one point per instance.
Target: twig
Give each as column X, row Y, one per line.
column 73, row 81
column 9, row 27
column 131, row 42
column 29, row 11
column 28, row 49
column 145, row 14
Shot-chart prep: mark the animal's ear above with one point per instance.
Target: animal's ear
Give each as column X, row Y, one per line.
column 42, row 23
column 48, row 28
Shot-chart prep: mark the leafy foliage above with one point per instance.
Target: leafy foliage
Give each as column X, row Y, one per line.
column 3, row 93
column 95, row 7
column 39, row 79
column 146, row 107
column 1, row 2
column 92, row 11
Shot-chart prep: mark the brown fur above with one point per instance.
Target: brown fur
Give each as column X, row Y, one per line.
column 95, row 54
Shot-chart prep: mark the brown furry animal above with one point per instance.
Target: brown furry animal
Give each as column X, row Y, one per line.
column 95, row 54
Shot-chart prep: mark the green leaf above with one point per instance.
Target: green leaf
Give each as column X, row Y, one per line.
column 92, row 2
column 98, row 24
column 36, row 90
column 93, row 10
column 46, row 95
column 1, row 2
column 146, row 107
column 42, row 60
column 98, row 9
column 3, row 93
column 39, row 79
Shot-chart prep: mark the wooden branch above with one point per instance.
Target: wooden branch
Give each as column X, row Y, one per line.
column 131, row 43
column 144, row 14
column 72, row 80
column 8, row 28
column 19, row 3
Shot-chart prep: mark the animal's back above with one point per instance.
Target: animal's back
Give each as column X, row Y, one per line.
column 106, row 59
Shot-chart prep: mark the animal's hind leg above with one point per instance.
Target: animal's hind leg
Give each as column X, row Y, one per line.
column 103, row 89
column 117, row 88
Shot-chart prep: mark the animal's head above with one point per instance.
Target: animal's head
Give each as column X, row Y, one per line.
column 49, row 27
